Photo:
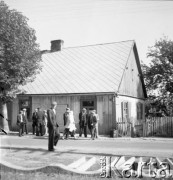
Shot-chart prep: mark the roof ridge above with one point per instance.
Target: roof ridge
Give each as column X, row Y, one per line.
column 99, row 44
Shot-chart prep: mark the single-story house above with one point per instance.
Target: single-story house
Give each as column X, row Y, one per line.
column 106, row 77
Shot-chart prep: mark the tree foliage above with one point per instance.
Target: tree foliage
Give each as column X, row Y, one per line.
column 19, row 53
column 158, row 75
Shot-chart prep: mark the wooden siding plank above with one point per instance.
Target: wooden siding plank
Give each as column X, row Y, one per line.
column 106, row 110
column 159, row 126
column 131, row 83
column 100, row 113
column 110, row 98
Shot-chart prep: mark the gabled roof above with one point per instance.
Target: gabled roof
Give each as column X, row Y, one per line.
column 87, row 69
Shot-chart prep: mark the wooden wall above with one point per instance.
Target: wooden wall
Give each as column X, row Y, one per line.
column 131, row 84
column 103, row 107
column 105, row 111
column 135, row 123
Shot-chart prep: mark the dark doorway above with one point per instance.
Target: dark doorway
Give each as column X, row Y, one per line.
column 26, row 103
column 88, row 103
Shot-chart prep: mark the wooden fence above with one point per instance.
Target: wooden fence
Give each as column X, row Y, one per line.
column 124, row 127
column 158, row 126
column 155, row 126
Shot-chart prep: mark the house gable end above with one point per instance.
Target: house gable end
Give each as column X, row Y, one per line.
column 132, row 83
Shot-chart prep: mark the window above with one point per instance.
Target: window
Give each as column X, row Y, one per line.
column 125, row 111
column 139, row 111
column 25, row 103
column 88, row 103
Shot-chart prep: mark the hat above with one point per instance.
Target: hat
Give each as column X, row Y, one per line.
column 24, row 109
column 67, row 109
column 83, row 109
column 54, row 103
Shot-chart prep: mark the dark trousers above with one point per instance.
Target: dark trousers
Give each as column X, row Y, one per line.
column 93, row 132
column 73, row 133
column 34, row 128
column 39, row 129
column 20, row 128
column 83, row 129
column 90, row 129
column 25, row 128
column 53, row 137
column 66, row 133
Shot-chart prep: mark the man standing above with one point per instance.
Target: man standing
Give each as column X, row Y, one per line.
column 93, row 121
column 83, row 120
column 66, row 123
column 97, row 129
column 20, row 123
column 34, row 121
column 40, row 119
column 25, row 120
column 52, row 127
column 89, row 120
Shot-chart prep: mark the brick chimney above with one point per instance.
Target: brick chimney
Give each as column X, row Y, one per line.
column 56, row 45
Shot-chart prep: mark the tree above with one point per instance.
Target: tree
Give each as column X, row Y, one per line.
column 158, row 75
column 20, row 57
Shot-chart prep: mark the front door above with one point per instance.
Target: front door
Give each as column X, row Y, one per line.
column 88, row 104
column 26, row 103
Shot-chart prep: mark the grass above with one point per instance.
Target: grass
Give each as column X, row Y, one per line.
column 15, row 175
column 43, row 176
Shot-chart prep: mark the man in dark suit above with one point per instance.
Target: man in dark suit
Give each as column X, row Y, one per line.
column 20, row 122
column 83, row 120
column 89, row 120
column 34, row 120
column 25, row 121
column 54, row 134
column 40, row 124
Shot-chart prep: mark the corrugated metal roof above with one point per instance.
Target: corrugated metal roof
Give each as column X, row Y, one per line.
column 86, row 69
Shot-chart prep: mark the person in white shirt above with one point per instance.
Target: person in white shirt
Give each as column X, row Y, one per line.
column 97, row 129
column 20, row 123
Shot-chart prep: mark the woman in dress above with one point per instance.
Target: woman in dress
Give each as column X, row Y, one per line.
column 70, row 125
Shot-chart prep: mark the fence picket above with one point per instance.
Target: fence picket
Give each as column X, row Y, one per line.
column 158, row 126
column 155, row 126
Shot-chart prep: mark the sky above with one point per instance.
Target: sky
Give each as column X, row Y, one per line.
column 87, row 22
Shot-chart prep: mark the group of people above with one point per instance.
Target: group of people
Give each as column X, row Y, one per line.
column 39, row 122
column 45, row 121
column 88, row 120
